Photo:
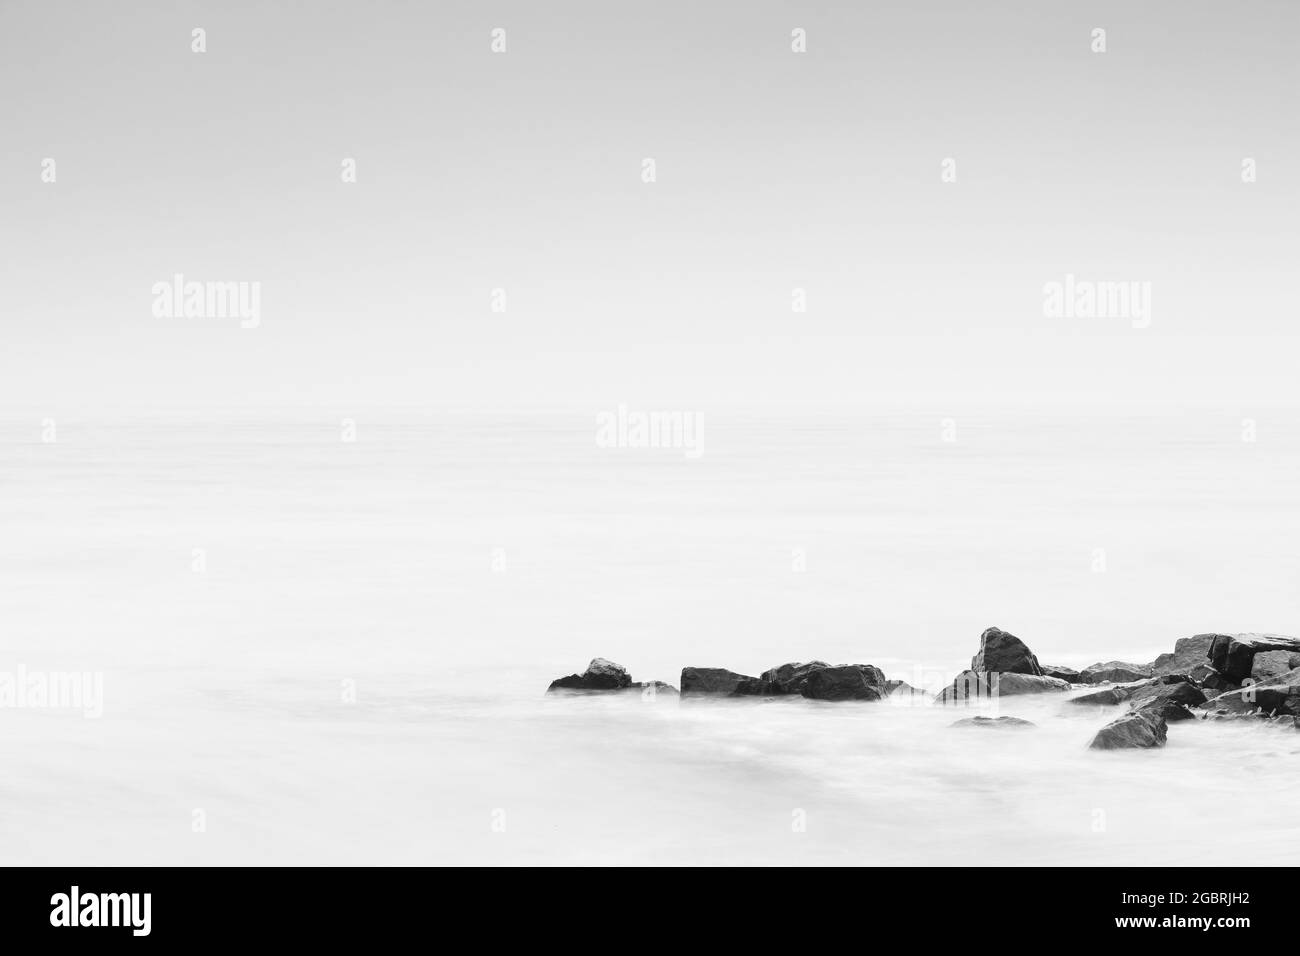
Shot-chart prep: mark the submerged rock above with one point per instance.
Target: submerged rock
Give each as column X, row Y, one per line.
column 1280, row 695
column 994, row 722
column 847, row 682
column 599, row 675
column 1139, row 729
column 1003, row 652
column 972, row 684
column 653, row 688
column 1115, row 672
column 710, row 680
column 1233, row 655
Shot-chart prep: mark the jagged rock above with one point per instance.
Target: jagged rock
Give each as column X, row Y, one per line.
column 1207, row 677
column 786, row 679
column 1233, row 655
column 1139, row 729
column 1188, row 653
column 710, row 680
column 1115, row 672
column 1270, row 665
column 1280, row 695
column 994, row 722
column 847, row 682
column 972, row 684
column 1002, row 652
column 1108, row 697
column 599, row 675
column 1067, row 674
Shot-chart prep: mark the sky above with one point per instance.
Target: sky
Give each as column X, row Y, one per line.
column 523, row 171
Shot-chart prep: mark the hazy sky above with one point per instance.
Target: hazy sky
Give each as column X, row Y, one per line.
column 523, row 171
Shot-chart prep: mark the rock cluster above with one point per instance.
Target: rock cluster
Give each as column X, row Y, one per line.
column 1206, row 676
column 603, row 675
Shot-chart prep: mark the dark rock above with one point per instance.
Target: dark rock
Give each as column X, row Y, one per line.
column 786, row 679
column 972, row 684
column 1109, row 697
column 1115, row 672
column 1002, row 652
column 848, row 682
column 1068, row 674
column 710, row 680
column 1180, row 692
column 1280, row 695
column 1207, row 677
column 994, row 722
column 1139, row 729
column 599, row 675
column 1165, row 707
column 1188, row 653
column 1233, row 655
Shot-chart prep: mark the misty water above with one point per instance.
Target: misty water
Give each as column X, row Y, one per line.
column 316, row 650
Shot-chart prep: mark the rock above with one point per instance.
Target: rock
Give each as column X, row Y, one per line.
column 1001, row 652
column 848, row 682
column 786, row 679
column 1170, row 710
column 1233, row 655
column 1115, row 672
column 599, row 675
column 972, row 684
column 1188, row 653
column 902, row 687
column 653, row 688
column 994, row 722
column 1067, row 674
column 1280, row 695
column 1207, row 677
column 1138, row 729
column 1269, row 665
column 1108, row 697
column 710, row 680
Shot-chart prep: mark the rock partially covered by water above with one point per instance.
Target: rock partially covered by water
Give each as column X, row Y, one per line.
column 1189, row 652
column 1067, row 674
column 1139, row 729
column 710, row 680
column 653, row 688
column 599, row 675
column 846, row 682
column 785, row 679
column 1002, row 652
column 902, row 687
column 1114, row 672
column 995, row 722
column 1173, row 687
column 1280, row 695
column 1233, row 655
column 1169, row 697
column 969, row 685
